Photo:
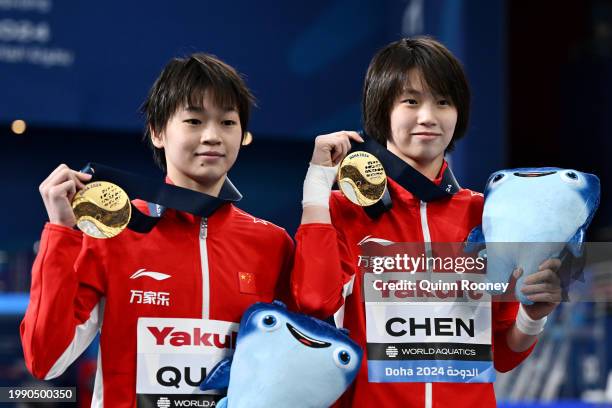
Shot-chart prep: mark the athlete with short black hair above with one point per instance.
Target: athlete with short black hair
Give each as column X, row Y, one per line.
column 185, row 267
column 416, row 104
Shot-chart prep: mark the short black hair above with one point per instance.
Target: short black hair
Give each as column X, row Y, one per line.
column 387, row 76
column 183, row 82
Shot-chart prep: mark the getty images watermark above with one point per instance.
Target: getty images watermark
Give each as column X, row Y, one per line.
column 400, row 272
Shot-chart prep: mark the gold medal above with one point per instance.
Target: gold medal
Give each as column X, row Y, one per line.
column 362, row 178
column 102, row 209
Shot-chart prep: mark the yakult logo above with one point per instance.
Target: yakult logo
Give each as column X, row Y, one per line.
column 423, row 289
column 170, row 336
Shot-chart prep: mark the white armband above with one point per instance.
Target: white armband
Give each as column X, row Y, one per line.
column 317, row 185
column 527, row 325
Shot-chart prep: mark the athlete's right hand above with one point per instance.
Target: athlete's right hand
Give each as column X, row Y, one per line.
column 57, row 192
column 330, row 149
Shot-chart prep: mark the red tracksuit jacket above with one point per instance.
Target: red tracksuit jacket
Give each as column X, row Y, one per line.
column 325, row 266
column 216, row 267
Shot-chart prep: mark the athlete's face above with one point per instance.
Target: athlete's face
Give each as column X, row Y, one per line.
column 201, row 144
column 422, row 124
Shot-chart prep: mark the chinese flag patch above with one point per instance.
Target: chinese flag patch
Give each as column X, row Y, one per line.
column 247, row 282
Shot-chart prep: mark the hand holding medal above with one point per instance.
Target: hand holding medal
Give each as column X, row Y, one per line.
column 99, row 209
column 102, row 209
column 57, row 192
column 361, row 176
column 329, row 150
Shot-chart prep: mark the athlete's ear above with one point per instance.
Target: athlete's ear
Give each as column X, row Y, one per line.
column 156, row 138
column 247, row 138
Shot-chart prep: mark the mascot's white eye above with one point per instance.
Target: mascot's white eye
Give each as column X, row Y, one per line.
column 571, row 177
column 269, row 322
column 342, row 357
column 497, row 179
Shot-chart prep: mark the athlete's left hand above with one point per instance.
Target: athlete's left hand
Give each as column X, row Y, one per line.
column 543, row 288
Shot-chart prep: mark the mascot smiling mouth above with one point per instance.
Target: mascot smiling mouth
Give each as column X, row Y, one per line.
column 534, row 174
column 305, row 340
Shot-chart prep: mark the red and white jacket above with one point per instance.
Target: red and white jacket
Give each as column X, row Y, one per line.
column 212, row 268
column 326, row 281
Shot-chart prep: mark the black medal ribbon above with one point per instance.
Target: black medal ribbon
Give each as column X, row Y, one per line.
column 406, row 176
column 166, row 195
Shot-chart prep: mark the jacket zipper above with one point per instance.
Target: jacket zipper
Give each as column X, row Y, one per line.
column 425, row 229
column 427, row 241
column 205, row 270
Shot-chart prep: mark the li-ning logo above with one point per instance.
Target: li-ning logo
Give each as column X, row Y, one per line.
column 380, row 241
column 155, row 275
column 255, row 220
column 163, row 402
column 448, row 188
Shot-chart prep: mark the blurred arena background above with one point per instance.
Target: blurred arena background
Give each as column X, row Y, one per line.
column 73, row 75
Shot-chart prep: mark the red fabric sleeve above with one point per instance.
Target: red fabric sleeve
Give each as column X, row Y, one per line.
column 283, row 287
column 321, row 268
column 504, row 316
column 59, row 302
